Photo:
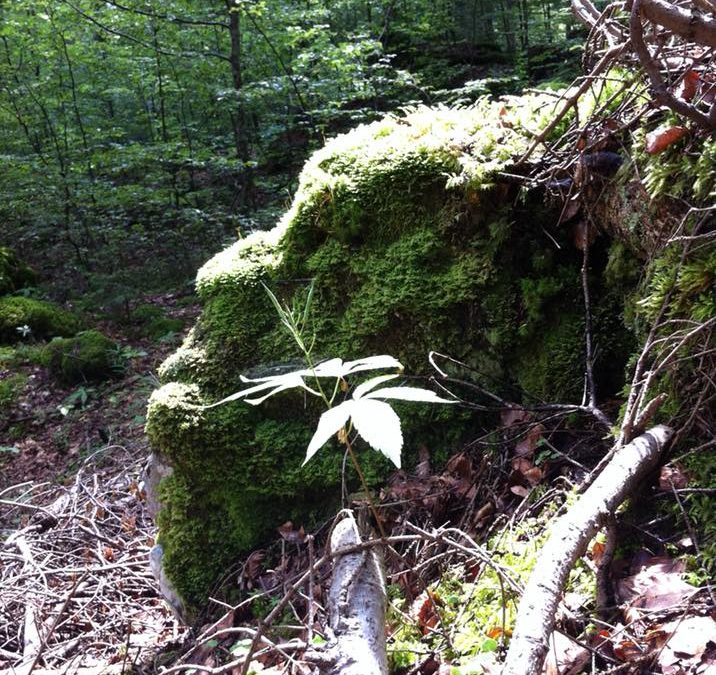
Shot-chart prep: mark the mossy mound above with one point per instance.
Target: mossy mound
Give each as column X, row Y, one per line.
column 14, row 274
column 151, row 321
column 33, row 318
column 87, row 356
column 413, row 241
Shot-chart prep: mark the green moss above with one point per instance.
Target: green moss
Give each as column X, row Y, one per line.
column 14, row 274
column 412, row 244
column 43, row 319
column 89, row 355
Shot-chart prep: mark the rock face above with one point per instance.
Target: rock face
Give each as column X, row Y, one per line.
column 414, row 242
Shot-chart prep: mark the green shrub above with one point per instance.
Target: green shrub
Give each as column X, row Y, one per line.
column 43, row 319
column 14, row 274
column 89, row 355
column 11, row 386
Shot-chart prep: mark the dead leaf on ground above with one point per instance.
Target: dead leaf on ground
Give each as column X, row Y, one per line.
column 672, row 476
column 291, row 534
column 527, row 446
column 660, row 139
column 565, row 656
column 687, row 88
column 460, row 465
column 627, row 650
column 690, row 646
column 657, row 586
column 513, row 415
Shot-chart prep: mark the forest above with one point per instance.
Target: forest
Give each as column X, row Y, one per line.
column 357, row 337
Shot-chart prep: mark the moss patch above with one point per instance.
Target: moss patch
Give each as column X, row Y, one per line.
column 89, row 355
column 14, row 274
column 43, row 319
column 412, row 243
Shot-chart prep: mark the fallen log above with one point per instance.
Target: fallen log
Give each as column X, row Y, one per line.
column 357, row 604
column 567, row 542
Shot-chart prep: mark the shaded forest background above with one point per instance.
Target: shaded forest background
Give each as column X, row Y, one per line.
column 139, row 137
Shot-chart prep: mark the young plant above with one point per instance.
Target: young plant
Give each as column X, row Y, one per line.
column 365, row 412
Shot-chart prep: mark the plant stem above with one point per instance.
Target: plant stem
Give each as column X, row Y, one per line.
column 374, row 511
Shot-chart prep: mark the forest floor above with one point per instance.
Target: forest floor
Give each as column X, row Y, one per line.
column 76, row 590
column 77, row 594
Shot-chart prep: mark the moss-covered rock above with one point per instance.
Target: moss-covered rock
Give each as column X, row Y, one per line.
column 33, row 318
column 87, row 356
column 413, row 242
column 14, row 274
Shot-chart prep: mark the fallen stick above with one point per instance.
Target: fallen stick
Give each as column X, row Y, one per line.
column 357, row 609
column 567, row 541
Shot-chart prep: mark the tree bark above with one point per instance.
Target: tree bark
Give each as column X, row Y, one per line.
column 357, row 604
column 569, row 538
column 690, row 26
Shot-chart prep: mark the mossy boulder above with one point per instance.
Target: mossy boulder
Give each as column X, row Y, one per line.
column 33, row 318
column 152, row 322
column 413, row 241
column 88, row 356
column 14, row 274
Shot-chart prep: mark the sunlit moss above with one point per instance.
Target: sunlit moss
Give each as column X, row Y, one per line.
column 412, row 243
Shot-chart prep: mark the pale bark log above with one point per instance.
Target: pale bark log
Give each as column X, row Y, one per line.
column 568, row 540
column 357, row 604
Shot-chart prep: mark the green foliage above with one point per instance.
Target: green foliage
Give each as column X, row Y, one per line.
column 14, row 274
column 402, row 230
column 151, row 321
column 11, row 386
column 688, row 284
column 41, row 319
column 87, row 356
column 480, row 613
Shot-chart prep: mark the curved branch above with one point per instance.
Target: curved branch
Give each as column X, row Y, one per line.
column 569, row 538
column 661, row 92
column 690, row 26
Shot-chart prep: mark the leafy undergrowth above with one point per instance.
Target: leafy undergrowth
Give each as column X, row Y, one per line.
column 76, row 531
column 47, row 429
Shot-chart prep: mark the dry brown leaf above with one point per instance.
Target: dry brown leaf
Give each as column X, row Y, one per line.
column 425, row 610
column 527, row 446
column 687, row 88
column 290, row 534
column 688, row 645
column 521, row 465
column 519, row 491
column 660, row 139
column 565, row 656
column 627, row 650
column 597, row 551
column 672, row 476
column 533, row 475
column 460, row 465
column 658, row 586
column 513, row 415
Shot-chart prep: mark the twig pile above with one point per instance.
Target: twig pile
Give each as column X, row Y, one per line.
column 75, row 586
